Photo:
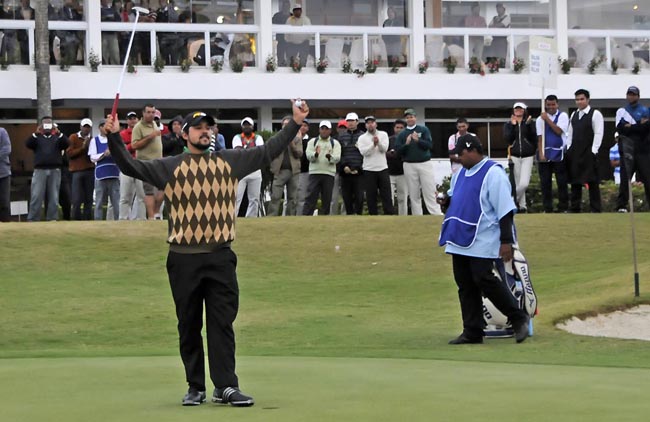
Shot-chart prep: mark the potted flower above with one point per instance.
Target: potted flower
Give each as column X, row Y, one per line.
column 614, row 65
column 450, row 64
column 394, row 65
column 217, row 65
column 594, row 63
column 565, row 65
column 321, row 65
column 237, row 65
column 476, row 66
column 423, row 66
column 296, row 66
column 130, row 67
column 94, row 61
column 158, row 64
column 346, row 66
column 637, row 68
column 518, row 64
column 4, row 61
column 271, row 63
column 371, row 65
column 493, row 65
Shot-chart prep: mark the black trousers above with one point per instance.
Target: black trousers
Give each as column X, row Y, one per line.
column 378, row 181
column 318, row 184
column 208, row 278
column 638, row 163
column 352, row 193
column 83, row 186
column 5, row 199
column 474, row 279
column 546, row 170
column 594, row 197
column 65, row 197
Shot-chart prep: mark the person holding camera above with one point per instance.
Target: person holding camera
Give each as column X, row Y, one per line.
column 82, row 170
column 47, row 143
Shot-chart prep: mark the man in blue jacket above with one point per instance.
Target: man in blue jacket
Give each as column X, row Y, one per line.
column 477, row 229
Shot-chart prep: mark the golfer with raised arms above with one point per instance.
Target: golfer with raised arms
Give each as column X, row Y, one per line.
column 201, row 188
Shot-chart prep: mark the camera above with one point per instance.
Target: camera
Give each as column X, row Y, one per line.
column 47, row 126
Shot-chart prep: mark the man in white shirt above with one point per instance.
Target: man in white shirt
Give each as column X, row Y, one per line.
column 252, row 184
column 554, row 124
column 373, row 146
column 583, row 141
column 462, row 126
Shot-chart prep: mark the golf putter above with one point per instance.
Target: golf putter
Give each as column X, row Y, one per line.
column 138, row 11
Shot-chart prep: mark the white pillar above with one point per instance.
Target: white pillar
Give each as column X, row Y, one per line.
column 265, row 120
column 416, row 20
column 97, row 115
column 93, row 31
column 561, row 27
column 263, row 15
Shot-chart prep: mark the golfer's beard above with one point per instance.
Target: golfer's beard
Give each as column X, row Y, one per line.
column 201, row 146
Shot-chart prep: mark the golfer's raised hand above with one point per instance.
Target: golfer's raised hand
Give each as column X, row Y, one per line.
column 111, row 125
column 299, row 113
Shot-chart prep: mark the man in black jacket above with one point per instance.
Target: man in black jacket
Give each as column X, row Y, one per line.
column 350, row 167
column 521, row 136
column 48, row 144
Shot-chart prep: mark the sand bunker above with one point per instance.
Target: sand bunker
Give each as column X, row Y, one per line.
column 633, row 323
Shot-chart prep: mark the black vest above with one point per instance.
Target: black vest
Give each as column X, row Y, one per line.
column 581, row 161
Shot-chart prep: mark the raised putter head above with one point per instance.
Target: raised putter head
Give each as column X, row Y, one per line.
column 141, row 10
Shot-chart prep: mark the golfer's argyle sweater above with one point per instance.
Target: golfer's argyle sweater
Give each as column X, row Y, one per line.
column 201, row 189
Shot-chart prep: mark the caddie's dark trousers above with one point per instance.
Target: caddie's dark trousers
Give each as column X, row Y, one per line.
column 473, row 276
column 208, row 278
column 546, row 170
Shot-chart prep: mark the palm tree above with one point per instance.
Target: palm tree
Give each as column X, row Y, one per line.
column 42, row 64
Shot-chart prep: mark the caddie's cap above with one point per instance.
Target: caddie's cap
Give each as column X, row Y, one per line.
column 409, row 112
column 247, row 120
column 102, row 122
column 325, row 123
column 634, row 90
column 194, row 119
column 467, row 142
column 86, row 122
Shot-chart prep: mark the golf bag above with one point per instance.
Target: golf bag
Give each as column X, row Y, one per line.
column 516, row 275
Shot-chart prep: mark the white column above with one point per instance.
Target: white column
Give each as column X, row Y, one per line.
column 416, row 19
column 265, row 121
column 93, row 31
column 263, row 16
column 97, row 115
column 561, row 27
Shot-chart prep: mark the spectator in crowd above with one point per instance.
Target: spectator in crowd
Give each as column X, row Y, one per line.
column 414, row 146
column 107, row 175
column 157, row 119
column 554, row 123
column 462, row 127
column 350, row 167
column 373, row 145
column 478, row 228
column 110, row 44
column 499, row 46
column 280, row 18
column 70, row 41
column 286, row 175
column 615, row 162
column 393, row 42
column 583, row 142
column 303, row 182
column 323, row 152
column 217, row 141
column 634, row 144
column 520, row 136
column 82, row 170
column 298, row 44
column 202, row 267
column 131, row 189
column 65, row 187
column 399, row 188
column 5, row 176
column 147, row 142
column 475, row 20
column 170, row 43
column 251, row 184
column 47, row 143
column 173, row 142
column 336, row 208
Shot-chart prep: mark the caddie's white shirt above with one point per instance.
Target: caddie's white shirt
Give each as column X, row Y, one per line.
column 562, row 123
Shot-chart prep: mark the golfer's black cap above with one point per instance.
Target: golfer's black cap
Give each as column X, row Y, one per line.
column 194, row 119
column 467, row 142
column 633, row 90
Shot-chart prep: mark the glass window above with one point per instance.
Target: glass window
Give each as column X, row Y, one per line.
column 345, row 13
column 582, row 50
column 628, row 51
column 486, row 14
column 609, row 14
column 206, row 11
column 64, row 10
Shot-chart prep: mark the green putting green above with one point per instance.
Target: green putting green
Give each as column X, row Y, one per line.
column 322, row 389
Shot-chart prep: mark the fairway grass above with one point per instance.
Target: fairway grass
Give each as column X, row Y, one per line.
column 322, row 389
column 354, row 333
